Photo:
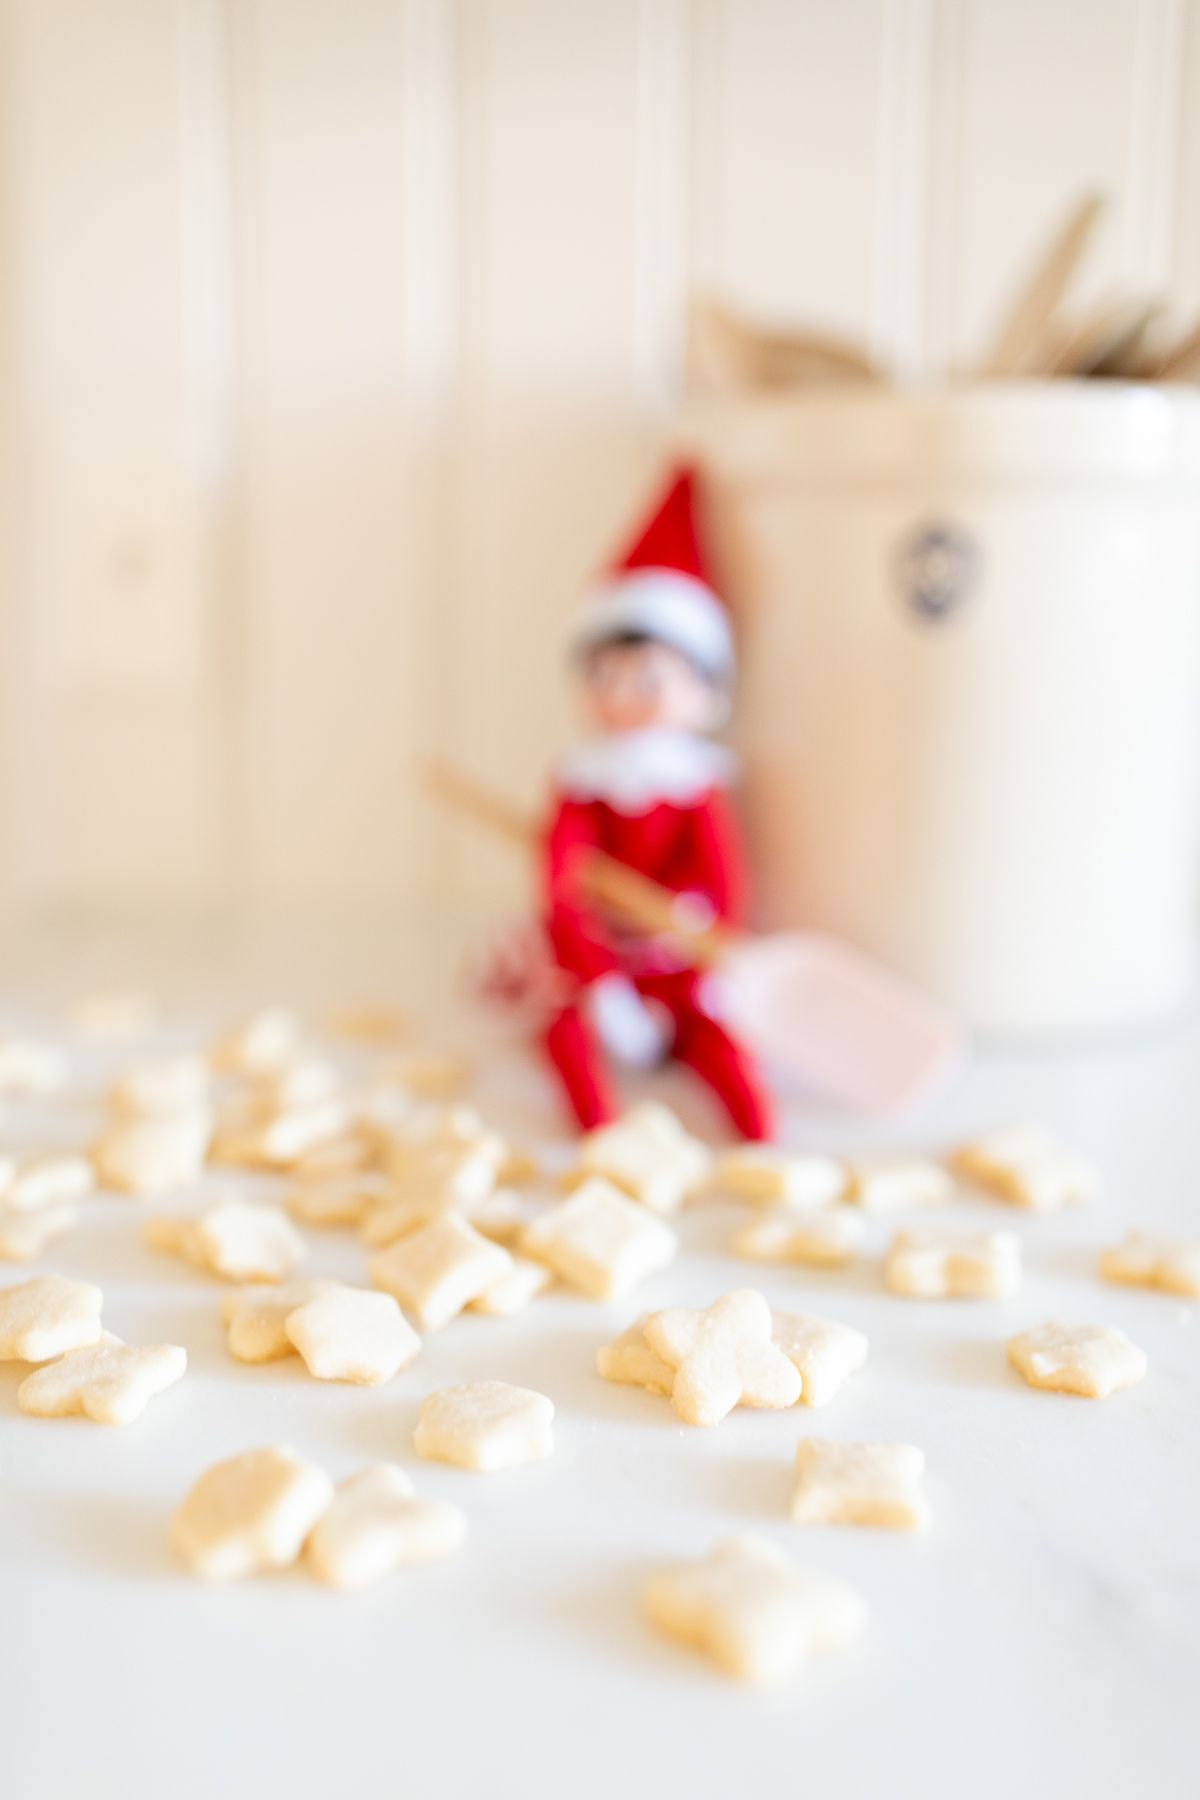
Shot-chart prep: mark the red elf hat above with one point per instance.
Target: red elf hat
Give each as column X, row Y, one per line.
column 659, row 588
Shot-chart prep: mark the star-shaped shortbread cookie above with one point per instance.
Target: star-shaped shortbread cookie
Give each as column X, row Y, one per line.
column 750, row 1610
column 485, row 1425
column 826, row 1240
column 649, row 1156
column 47, row 1316
column 24, row 1235
column 255, row 1317
column 237, row 1240
column 250, row 1513
column 763, row 1175
column 375, row 1524
column 1144, row 1259
column 352, row 1334
column 1027, row 1167
column 723, row 1356
column 1091, row 1360
column 108, row 1381
column 438, row 1269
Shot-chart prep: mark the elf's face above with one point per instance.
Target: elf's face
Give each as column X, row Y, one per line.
column 642, row 686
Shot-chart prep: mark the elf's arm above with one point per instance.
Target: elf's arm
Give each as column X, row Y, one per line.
column 577, row 932
column 716, row 871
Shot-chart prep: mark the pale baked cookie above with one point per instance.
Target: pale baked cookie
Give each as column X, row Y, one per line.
column 1026, row 1167
column 254, row 1318
column 825, row 1353
column 599, row 1241
column 1145, row 1260
column 173, row 1084
column 512, row 1292
column 375, row 1525
column 337, row 1200
column 859, row 1484
column 939, row 1265
column 352, row 1334
column 48, row 1178
column 649, row 1156
column 42, row 1318
column 443, row 1178
column 24, row 1235
column 249, row 1514
column 485, row 1425
column 751, row 1611
column 152, row 1155
column 336, row 1159
column 281, row 1139
column 723, row 1356
column 630, row 1361
column 1091, row 1360
column 438, row 1269
column 900, row 1184
column 762, row 1175
column 108, row 1381
column 237, row 1240
column 432, row 1076
column 299, row 1082
column 264, row 1042
column 827, row 1240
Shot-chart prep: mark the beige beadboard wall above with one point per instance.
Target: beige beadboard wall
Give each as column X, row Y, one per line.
column 336, row 338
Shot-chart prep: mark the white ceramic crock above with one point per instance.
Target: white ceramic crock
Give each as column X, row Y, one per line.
column 969, row 707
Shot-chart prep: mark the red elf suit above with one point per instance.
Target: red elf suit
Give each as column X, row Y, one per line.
column 656, row 800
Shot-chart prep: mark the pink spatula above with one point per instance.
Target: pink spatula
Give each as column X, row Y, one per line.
column 819, row 1013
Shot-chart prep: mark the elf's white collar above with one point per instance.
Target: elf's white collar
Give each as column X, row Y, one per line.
column 635, row 770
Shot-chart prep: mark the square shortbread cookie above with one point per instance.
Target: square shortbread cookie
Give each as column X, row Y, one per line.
column 1146, row 1260
column 599, row 1241
column 1090, row 1360
column 439, row 1269
column 900, row 1184
column 649, row 1156
column 827, row 1240
column 825, row 1353
column 485, row 1425
column 859, row 1484
column 750, row 1610
column 250, row 1513
column 938, row 1265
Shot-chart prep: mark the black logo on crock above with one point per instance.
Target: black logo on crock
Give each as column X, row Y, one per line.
column 936, row 568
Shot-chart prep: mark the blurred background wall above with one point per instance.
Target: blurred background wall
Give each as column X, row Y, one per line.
column 337, row 337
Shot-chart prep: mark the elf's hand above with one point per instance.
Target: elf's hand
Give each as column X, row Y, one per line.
column 626, row 1026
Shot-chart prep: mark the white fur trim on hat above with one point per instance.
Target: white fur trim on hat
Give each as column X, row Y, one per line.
column 674, row 608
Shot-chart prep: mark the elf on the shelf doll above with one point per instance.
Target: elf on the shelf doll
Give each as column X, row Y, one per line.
column 656, row 661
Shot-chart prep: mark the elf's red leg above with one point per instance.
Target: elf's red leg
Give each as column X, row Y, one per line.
column 578, row 1064
column 723, row 1065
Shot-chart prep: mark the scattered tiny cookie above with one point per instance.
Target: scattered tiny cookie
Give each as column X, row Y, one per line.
column 24, row 1235
column 648, row 1155
column 1090, row 1360
column 723, row 1356
column 630, row 1361
column 1024, row 1166
column 352, row 1334
column 751, row 1611
column 439, row 1269
column 152, row 1155
column 825, row 1353
column 48, row 1178
column 763, row 1175
column 599, row 1241
column 255, row 1316
column 250, row 1513
column 485, row 1425
column 43, row 1318
column 237, row 1240
column 939, row 1265
column 108, row 1381
column 1143, row 1259
column 512, row 1292
column 827, row 1240
column 900, row 1184
column 374, row 1524
column 859, row 1484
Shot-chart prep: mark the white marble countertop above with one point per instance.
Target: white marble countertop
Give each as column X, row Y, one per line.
column 1043, row 1638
